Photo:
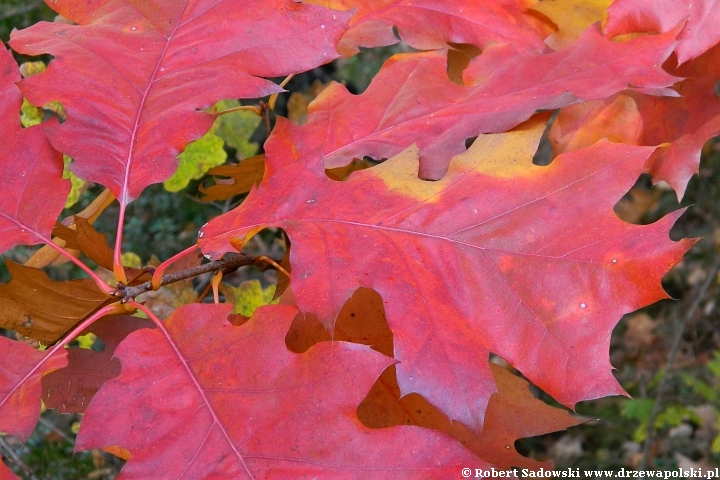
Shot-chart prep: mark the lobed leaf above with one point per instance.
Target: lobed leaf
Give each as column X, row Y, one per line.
column 70, row 389
column 411, row 100
column 216, row 402
column 43, row 309
column 33, row 189
column 698, row 19
column 21, row 367
column 500, row 255
column 513, row 412
column 688, row 121
column 428, row 24
column 241, row 178
column 133, row 73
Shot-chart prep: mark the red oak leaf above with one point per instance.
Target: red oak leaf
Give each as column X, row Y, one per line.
column 578, row 126
column 428, row 24
column 134, row 77
column 221, row 401
column 21, row 367
column 412, row 100
column 33, row 192
column 500, row 255
column 512, row 413
column 686, row 122
column 700, row 19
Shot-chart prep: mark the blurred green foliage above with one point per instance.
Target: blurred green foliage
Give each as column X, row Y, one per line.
column 20, row 14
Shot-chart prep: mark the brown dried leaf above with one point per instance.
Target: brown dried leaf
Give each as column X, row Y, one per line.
column 639, row 201
column 44, row 309
column 640, row 333
column 66, row 234
column 93, row 244
column 458, row 59
column 298, row 102
column 512, row 413
column 71, row 388
column 243, row 176
column 82, row 236
column 48, row 255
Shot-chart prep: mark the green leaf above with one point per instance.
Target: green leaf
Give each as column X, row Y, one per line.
column 78, row 185
column 714, row 364
column 673, row 415
column 29, row 114
column 130, row 259
column 715, row 447
column 639, row 409
column 700, row 387
column 237, row 127
column 248, row 296
column 199, row 157
column 86, row 341
column 31, row 68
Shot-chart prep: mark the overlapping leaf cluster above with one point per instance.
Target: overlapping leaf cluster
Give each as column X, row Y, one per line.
column 404, row 279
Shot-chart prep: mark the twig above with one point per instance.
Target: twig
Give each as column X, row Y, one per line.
column 55, row 429
column 664, row 381
column 20, row 10
column 224, row 264
column 252, row 108
column 5, row 446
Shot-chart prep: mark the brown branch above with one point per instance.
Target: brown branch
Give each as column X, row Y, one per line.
column 231, row 263
column 223, row 265
column 55, row 429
